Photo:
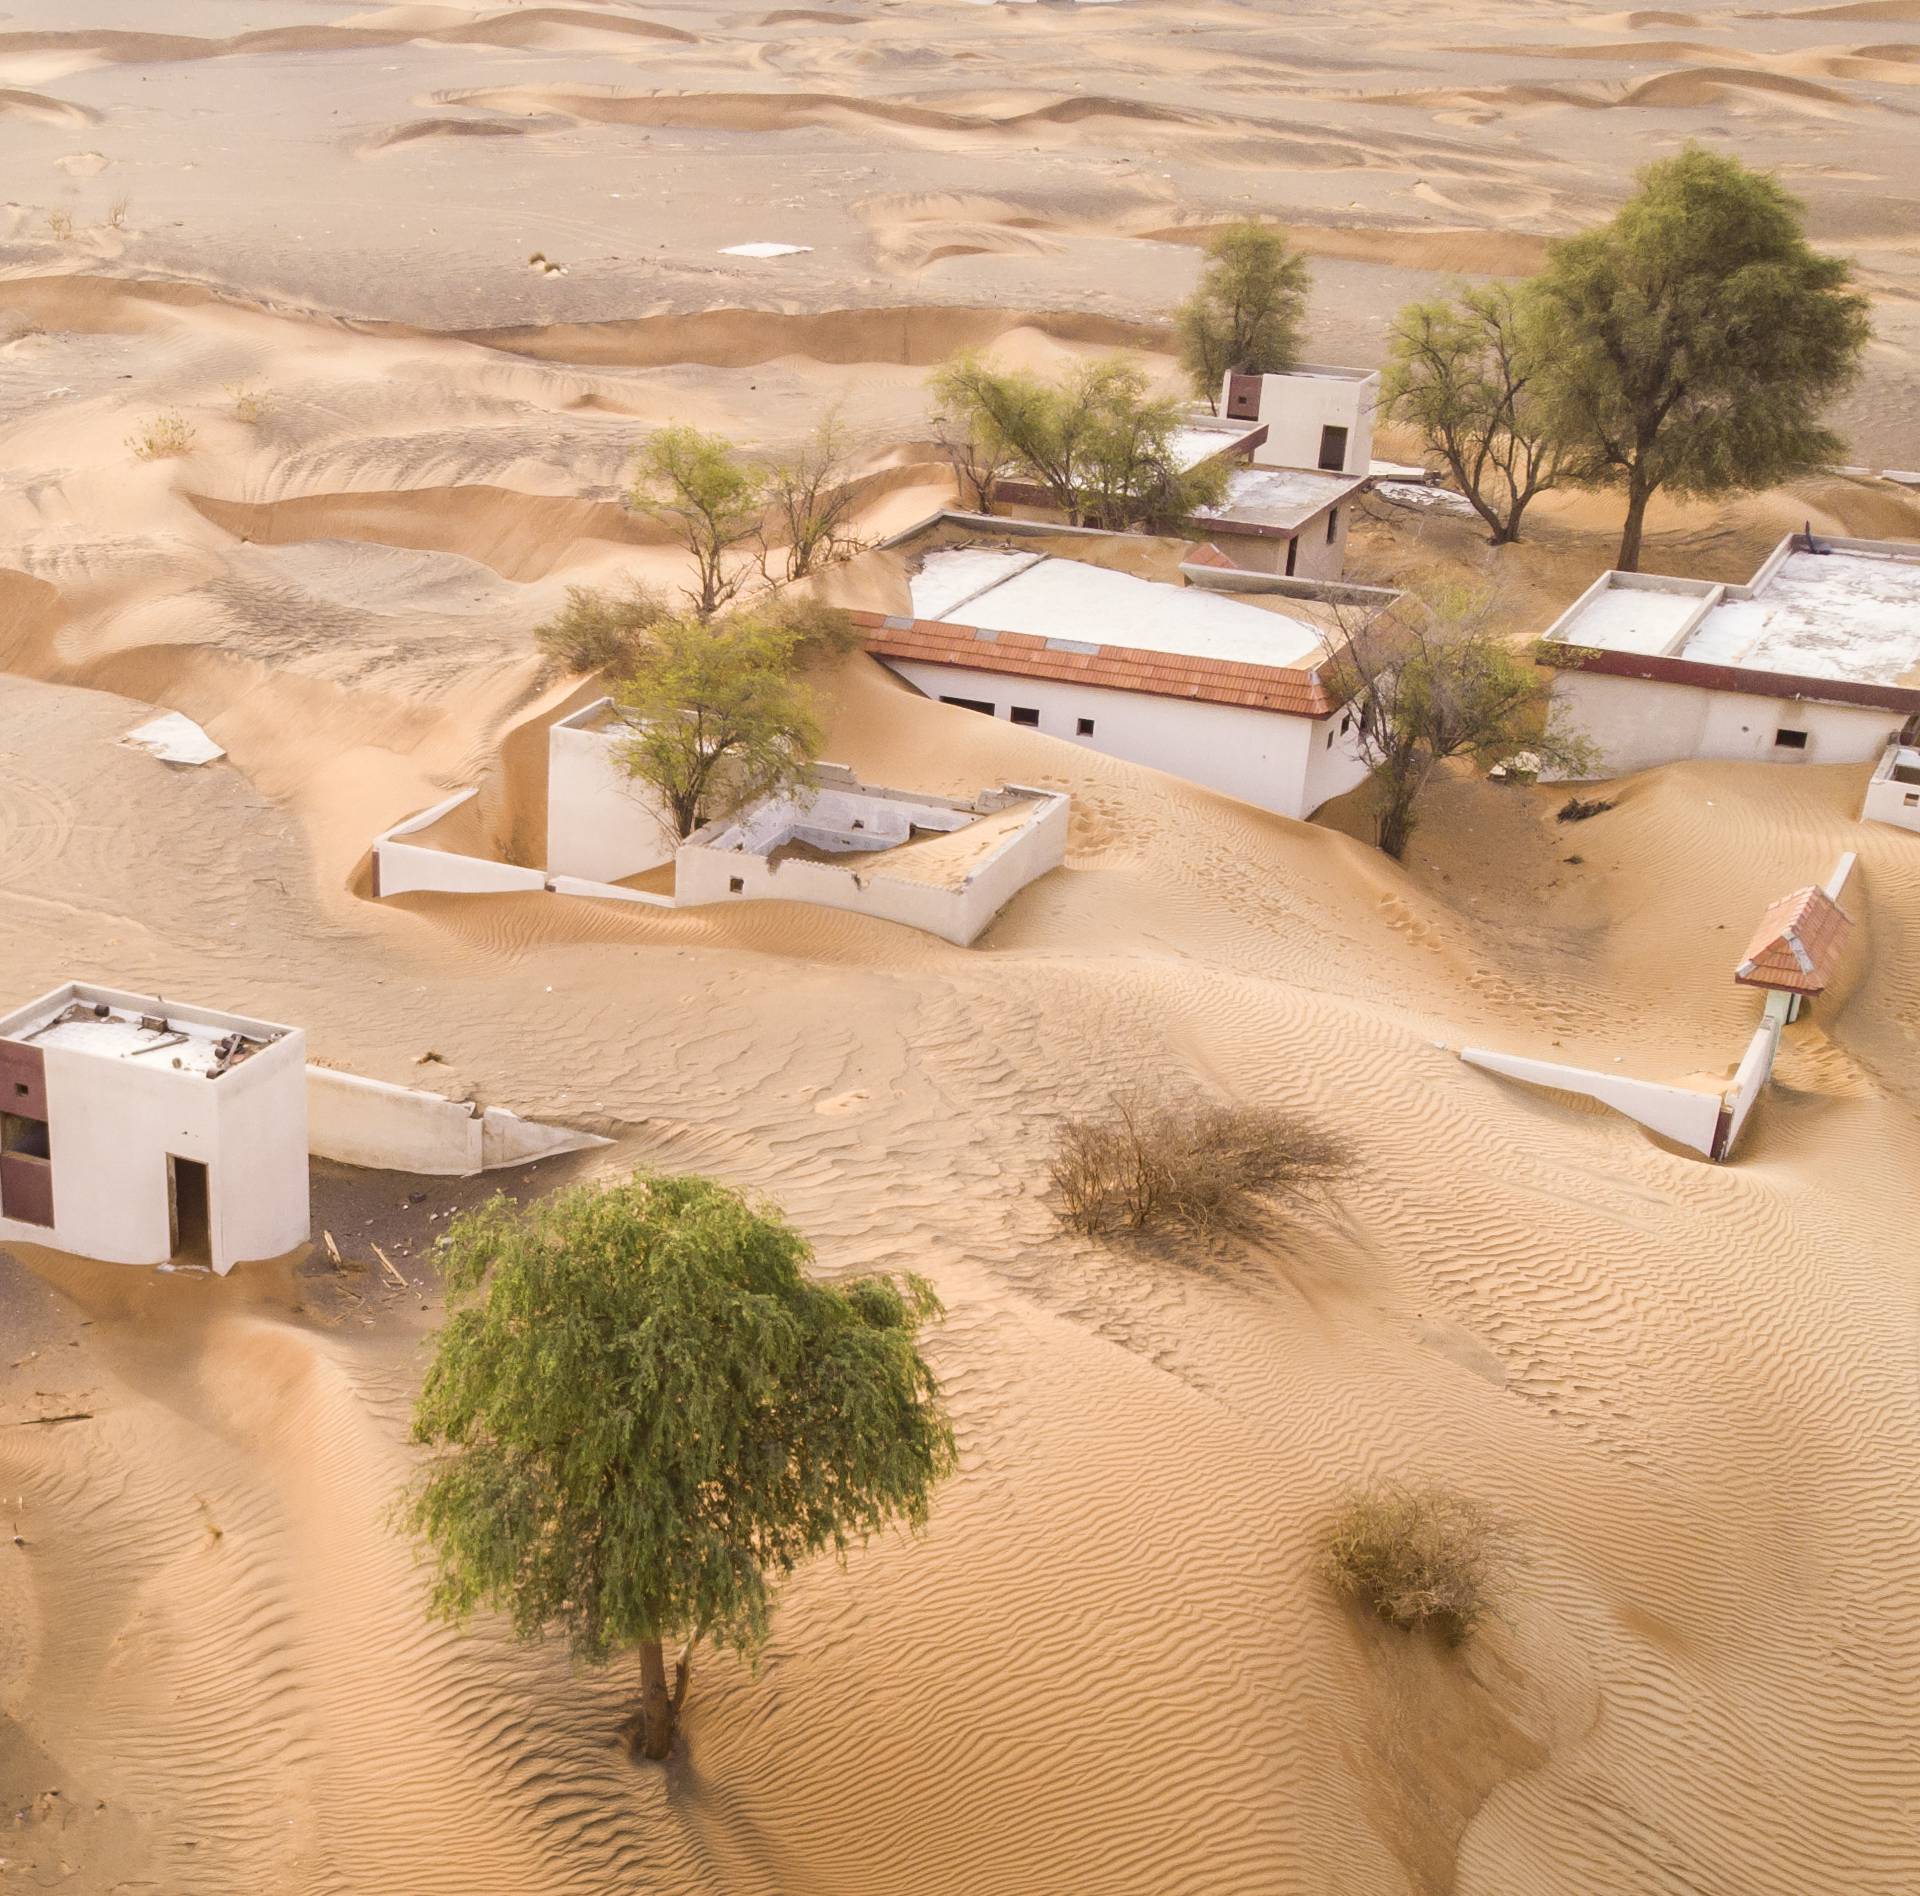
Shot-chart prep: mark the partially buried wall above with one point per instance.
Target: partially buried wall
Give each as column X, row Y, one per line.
column 388, row 1128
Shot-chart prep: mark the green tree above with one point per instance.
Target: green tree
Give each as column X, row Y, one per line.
column 719, row 717
column 648, row 1413
column 1458, row 370
column 1436, row 679
column 1692, row 343
column 600, row 631
column 1247, row 311
column 1096, row 442
column 698, row 487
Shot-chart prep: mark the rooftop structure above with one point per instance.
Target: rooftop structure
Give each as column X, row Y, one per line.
column 1797, row 947
column 1314, row 416
column 1812, row 660
column 137, row 1130
column 1165, row 675
column 1893, row 791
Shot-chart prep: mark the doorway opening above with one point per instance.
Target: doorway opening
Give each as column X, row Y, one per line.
column 187, row 1212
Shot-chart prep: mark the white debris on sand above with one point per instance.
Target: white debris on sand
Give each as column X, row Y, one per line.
column 766, row 250
column 175, row 740
column 1421, row 494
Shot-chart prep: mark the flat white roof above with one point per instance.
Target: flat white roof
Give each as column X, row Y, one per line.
column 107, row 1024
column 1002, row 590
column 1280, row 497
column 1196, row 442
column 1852, row 613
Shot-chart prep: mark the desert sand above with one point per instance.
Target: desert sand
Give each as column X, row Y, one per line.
column 1110, row 1665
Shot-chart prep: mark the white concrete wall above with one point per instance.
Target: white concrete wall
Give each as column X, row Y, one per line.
column 601, row 825
column 400, row 867
column 1887, row 799
column 1265, row 758
column 1294, row 408
column 956, row 914
column 390, row 1128
column 1314, row 556
column 1756, row 1067
column 1639, row 722
column 258, row 1187
column 1678, row 1113
column 113, row 1123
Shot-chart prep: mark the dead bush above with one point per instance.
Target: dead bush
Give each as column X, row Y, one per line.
column 1197, row 1166
column 600, row 631
column 1578, row 809
column 161, row 437
column 1419, row 1557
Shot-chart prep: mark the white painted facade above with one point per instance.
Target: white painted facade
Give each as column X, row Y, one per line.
column 1893, row 791
column 1809, row 662
column 601, row 824
column 1300, row 408
column 1636, row 723
column 357, row 1121
column 147, row 1142
column 1290, row 765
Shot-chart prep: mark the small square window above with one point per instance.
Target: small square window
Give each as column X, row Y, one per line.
column 1784, row 739
column 1911, row 801
column 1024, row 714
column 21, row 1089
column 736, row 885
column 1083, row 727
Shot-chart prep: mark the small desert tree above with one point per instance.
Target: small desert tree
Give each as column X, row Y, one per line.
column 711, row 500
column 1096, row 442
column 600, row 631
column 719, row 718
column 980, row 459
column 809, row 500
column 1437, row 679
column 1459, row 372
column 647, row 1413
column 1246, row 312
column 1692, row 343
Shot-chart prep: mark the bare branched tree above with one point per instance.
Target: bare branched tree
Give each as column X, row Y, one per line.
column 810, row 497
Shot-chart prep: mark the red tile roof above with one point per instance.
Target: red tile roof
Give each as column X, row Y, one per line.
column 1291, row 690
column 1798, row 945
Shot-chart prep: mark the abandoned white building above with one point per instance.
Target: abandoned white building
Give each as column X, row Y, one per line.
column 941, row 864
column 1814, row 660
column 1893, row 791
column 136, row 1130
column 1311, row 417
column 1287, row 520
column 1208, row 687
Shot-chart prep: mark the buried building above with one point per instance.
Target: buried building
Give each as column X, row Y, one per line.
column 1815, row 660
column 946, row 865
column 136, row 1130
column 1181, row 678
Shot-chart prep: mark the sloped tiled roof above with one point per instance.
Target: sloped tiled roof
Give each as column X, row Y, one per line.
column 1291, row 690
column 1798, row 944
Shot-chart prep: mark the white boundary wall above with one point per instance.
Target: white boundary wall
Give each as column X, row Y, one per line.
column 391, row 1128
column 402, row 867
column 601, row 826
column 1679, row 1113
column 704, row 872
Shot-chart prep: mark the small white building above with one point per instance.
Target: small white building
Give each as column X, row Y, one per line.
column 136, row 1130
column 1286, row 520
column 945, row 865
column 1893, row 791
column 1311, row 417
column 1815, row 660
column 1203, row 685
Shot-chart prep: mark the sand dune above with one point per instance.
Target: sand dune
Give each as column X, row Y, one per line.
column 1111, row 1665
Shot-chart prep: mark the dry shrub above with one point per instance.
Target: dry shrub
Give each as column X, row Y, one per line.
column 600, row 631
column 162, row 437
column 249, row 405
column 1419, row 1557
column 1578, row 809
column 1201, row 1167
column 60, row 225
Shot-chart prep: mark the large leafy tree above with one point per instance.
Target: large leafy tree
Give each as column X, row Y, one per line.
column 1692, row 343
column 648, row 1413
column 1460, row 372
column 719, row 716
column 1247, row 311
column 1097, row 442
column 1435, row 679
column 698, row 487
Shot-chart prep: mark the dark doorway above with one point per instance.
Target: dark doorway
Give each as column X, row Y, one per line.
column 1333, row 448
column 187, row 1208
